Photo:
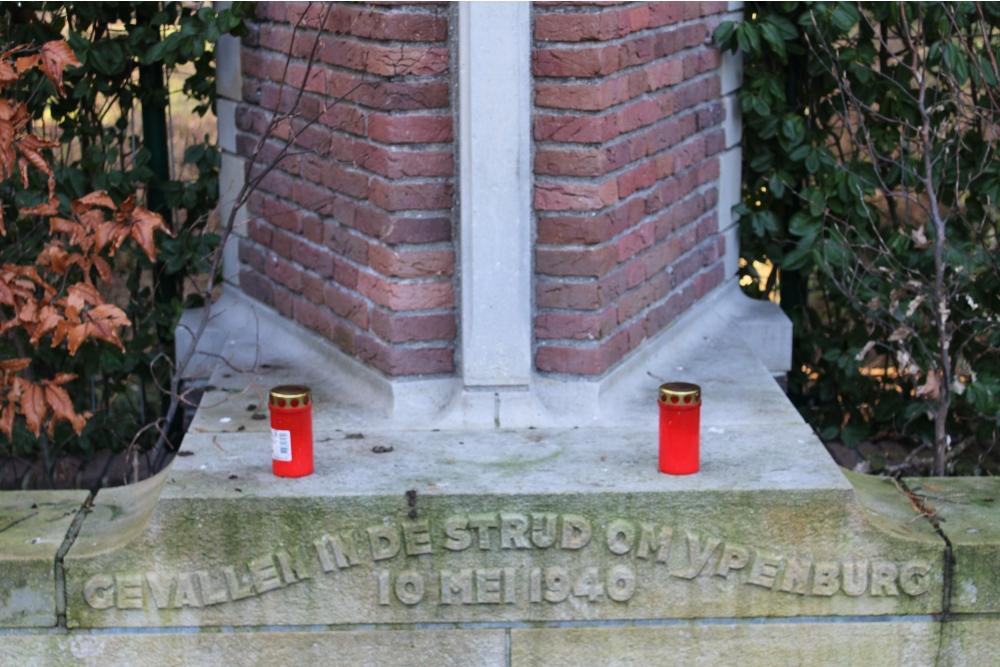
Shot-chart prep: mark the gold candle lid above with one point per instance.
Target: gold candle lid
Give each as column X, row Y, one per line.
column 290, row 395
column 680, row 393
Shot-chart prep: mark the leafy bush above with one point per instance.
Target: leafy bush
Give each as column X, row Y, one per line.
column 87, row 125
column 872, row 186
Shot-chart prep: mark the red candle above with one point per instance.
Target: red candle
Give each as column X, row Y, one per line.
column 680, row 421
column 291, row 431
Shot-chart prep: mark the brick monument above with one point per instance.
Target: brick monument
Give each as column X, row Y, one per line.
column 501, row 196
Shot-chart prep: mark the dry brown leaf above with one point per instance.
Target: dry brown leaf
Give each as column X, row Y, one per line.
column 24, row 63
column 8, row 114
column 54, row 258
column 61, row 379
column 51, row 207
column 55, row 57
column 7, row 421
column 95, row 198
column 59, row 225
column 33, row 406
column 62, row 407
column 919, row 237
column 28, row 312
column 101, row 322
column 931, row 388
column 29, row 147
column 14, row 365
column 48, row 319
column 75, row 337
column 80, row 294
column 901, row 333
column 144, row 224
column 103, row 268
column 8, row 73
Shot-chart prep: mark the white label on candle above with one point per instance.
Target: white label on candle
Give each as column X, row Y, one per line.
column 281, row 445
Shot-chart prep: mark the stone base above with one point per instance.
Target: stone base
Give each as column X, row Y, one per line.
column 757, row 643
column 557, row 542
column 261, row 348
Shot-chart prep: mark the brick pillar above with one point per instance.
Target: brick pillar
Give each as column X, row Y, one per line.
column 633, row 123
column 351, row 236
column 627, row 128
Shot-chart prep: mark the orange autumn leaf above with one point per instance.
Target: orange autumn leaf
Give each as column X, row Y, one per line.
column 36, row 297
column 55, row 57
column 48, row 319
column 95, row 198
column 61, row 404
column 50, row 207
column 14, row 365
column 144, row 223
column 8, row 73
column 79, row 295
column 11, row 116
column 32, row 406
column 7, row 420
column 24, row 63
column 100, row 323
column 105, row 322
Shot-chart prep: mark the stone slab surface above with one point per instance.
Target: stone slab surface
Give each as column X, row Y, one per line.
column 880, row 644
column 426, row 648
column 970, row 642
column 886, row 507
column 33, row 525
column 119, row 515
column 968, row 509
column 753, row 458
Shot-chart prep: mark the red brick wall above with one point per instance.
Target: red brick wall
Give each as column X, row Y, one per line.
column 352, row 235
column 627, row 128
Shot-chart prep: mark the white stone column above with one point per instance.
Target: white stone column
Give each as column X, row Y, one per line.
column 495, row 179
column 731, row 160
column 229, row 91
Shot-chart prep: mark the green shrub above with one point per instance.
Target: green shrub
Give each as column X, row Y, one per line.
column 121, row 47
column 871, row 184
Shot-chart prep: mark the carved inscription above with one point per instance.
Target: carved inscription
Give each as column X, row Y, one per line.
column 509, row 585
column 202, row 588
column 607, row 564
